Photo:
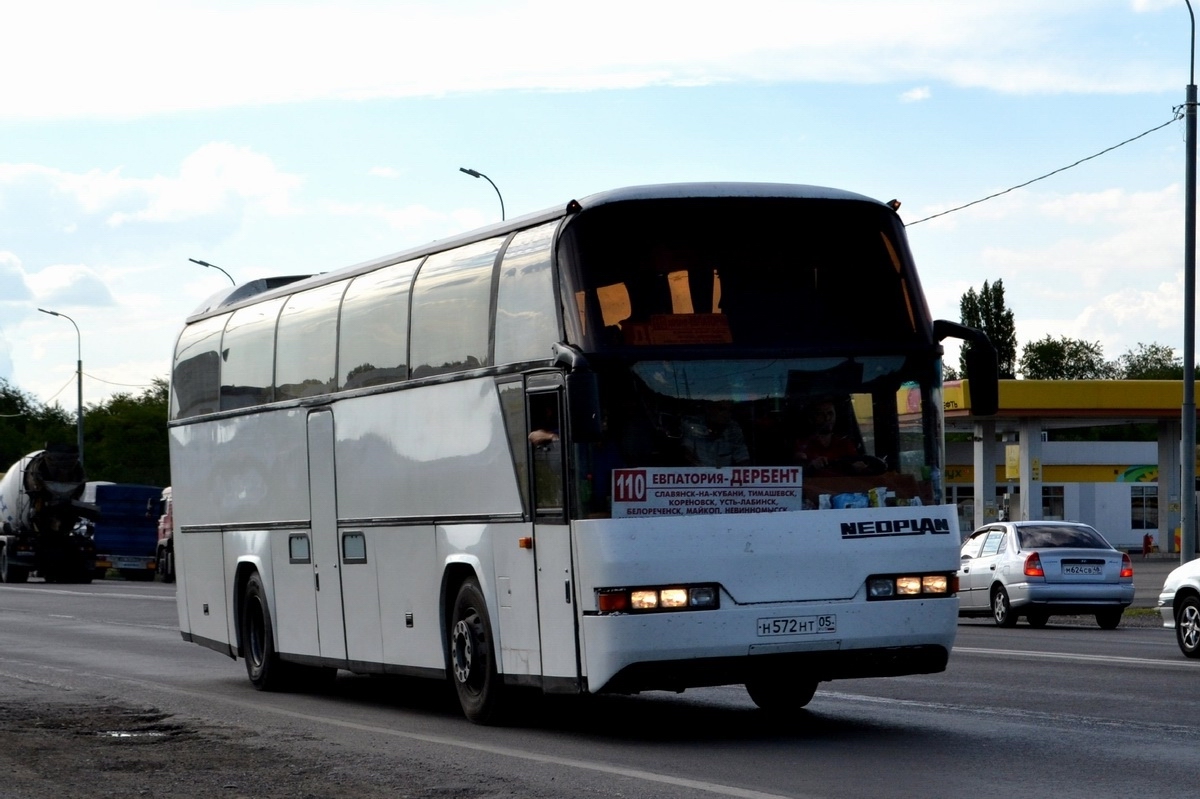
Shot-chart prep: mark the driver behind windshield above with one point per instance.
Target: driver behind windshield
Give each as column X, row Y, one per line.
column 826, row 449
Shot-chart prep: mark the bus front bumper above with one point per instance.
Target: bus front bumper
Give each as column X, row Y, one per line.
column 627, row 653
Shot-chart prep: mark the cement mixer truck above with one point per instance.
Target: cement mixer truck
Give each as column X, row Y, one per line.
column 40, row 511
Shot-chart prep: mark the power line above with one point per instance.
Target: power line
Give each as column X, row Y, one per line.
column 111, row 383
column 1178, row 116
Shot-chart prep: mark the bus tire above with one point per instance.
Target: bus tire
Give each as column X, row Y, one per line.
column 781, row 695
column 473, row 664
column 266, row 671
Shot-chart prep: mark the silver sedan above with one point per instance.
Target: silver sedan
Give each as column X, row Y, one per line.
column 1038, row 569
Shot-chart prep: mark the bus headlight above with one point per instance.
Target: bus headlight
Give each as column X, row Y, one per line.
column 911, row 586
column 656, row 599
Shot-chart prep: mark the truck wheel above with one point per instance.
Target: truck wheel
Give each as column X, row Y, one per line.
column 166, row 566
column 9, row 571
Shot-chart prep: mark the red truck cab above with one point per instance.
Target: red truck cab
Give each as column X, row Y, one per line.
column 166, row 548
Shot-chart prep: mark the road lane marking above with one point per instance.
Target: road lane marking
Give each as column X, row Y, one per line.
column 1021, row 653
column 148, row 597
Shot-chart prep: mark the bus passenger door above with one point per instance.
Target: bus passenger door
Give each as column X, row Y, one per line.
column 322, row 498
column 552, row 534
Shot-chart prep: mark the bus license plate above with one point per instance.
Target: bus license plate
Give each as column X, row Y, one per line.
column 797, row 625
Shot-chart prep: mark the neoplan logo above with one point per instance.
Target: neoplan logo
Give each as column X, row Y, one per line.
column 882, row 527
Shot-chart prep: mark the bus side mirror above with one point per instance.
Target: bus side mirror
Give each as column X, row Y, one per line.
column 983, row 373
column 583, row 406
column 983, row 378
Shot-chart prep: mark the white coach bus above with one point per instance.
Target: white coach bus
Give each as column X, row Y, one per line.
column 659, row 438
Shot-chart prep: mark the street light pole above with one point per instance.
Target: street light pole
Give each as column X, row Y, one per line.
column 214, row 266
column 475, row 174
column 79, row 383
column 1187, row 539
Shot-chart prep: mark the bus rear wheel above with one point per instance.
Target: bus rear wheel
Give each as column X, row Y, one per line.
column 781, row 695
column 473, row 667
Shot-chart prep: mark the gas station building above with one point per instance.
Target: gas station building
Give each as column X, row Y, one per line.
column 1114, row 486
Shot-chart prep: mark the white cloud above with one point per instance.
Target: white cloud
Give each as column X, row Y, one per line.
column 54, row 215
column 208, row 180
column 190, row 56
column 66, row 286
column 916, row 95
column 13, row 288
column 1101, row 266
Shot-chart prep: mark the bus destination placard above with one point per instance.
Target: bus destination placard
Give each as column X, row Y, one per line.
column 687, row 491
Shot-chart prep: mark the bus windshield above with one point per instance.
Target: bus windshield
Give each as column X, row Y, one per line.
column 780, row 274
column 855, row 432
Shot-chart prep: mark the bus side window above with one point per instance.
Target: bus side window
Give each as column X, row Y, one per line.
column 512, row 404
column 545, row 440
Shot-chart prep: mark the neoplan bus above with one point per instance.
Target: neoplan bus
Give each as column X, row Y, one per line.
column 561, row 454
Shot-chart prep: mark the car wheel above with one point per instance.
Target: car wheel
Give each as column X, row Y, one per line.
column 1037, row 619
column 1109, row 619
column 473, row 657
column 1187, row 626
column 1002, row 611
column 782, row 694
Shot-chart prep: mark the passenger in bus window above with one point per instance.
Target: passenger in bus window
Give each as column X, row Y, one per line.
column 825, row 447
column 545, row 428
column 714, row 438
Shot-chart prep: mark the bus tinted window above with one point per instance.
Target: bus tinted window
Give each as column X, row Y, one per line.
column 197, row 371
column 765, row 273
column 248, row 353
column 373, row 341
column 450, row 309
column 305, row 343
column 526, row 319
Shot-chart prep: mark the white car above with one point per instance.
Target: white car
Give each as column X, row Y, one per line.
column 1179, row 605
column 1038, row 569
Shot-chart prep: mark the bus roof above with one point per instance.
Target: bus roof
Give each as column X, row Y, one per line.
column 265, row 288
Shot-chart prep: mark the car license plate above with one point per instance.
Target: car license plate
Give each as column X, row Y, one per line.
column 797, row 625
column 1079, row 568
column 129, row 563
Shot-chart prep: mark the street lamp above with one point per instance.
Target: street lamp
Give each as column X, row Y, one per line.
column 214, row 266
column 1187, row 538
column 79, row 373
column 475, row 174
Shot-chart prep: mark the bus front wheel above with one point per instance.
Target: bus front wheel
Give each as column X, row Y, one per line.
column 266, row 671
column 781, row 695
column 473, row 657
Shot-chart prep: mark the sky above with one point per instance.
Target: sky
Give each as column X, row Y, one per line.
column 285, row 138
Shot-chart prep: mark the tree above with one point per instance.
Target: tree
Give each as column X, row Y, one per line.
column 986, row 311
column 126, row 438
column 27, row 426
column 1150, row 362
column 1065, row 358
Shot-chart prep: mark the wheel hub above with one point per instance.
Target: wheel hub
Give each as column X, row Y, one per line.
column 463, row 651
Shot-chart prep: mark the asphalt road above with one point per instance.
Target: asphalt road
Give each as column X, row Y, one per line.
column 1070, row 710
